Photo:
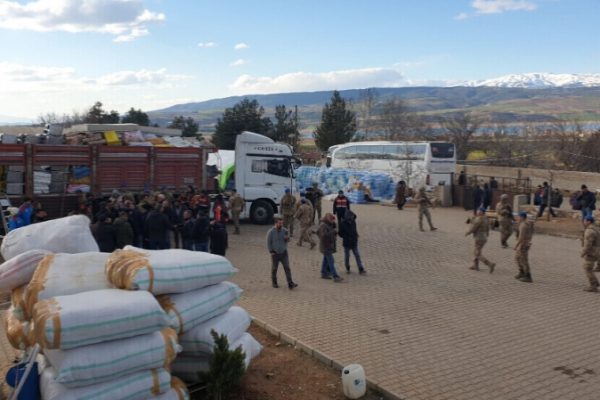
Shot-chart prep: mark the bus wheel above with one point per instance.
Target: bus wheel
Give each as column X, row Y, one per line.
column 261, row 212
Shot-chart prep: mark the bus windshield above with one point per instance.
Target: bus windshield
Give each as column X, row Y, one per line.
column 442, row 150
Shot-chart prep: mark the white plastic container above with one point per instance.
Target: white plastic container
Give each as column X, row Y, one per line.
column 354, row 382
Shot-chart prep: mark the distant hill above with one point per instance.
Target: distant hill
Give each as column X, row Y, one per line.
column 498, row 104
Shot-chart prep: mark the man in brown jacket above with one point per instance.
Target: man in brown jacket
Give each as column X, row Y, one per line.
column 480, row 229
column 591, row 251
column 327, row 246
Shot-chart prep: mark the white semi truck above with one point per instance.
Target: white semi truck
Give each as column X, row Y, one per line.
column 263, row 170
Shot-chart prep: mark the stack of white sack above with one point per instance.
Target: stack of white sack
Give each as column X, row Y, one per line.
column 55, row 275
column 191, row 288
column 65, row 235
column 106, row 344
column 198, row 343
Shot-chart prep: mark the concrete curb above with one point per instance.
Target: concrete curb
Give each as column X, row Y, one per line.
column 321, row 357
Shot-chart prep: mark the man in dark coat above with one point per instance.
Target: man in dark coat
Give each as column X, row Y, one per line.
column 123, row 230
column 201, row 229
column 340, row 204
column 157, row 229
column 327, row 246
column 349, row 235
column 105, row 234
column 218, row 237
column 477, row 198
column 187, row 230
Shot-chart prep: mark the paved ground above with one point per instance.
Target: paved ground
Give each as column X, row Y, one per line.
column 422, row 324
column 426, row 327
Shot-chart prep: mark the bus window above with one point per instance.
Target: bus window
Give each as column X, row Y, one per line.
column 442, row 150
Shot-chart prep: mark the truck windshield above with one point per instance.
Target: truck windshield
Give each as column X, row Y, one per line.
column 273, row 167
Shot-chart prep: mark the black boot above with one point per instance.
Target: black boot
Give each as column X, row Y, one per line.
column 520, row 274
column 526, row 278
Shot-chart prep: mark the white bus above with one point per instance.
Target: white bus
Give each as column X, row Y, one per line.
column 416, row 163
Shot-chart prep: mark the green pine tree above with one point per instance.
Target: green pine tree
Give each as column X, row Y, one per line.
column 247, row 115
column 338, row 124
column 226, row 368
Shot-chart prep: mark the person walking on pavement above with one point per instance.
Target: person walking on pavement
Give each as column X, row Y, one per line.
column 236, row 204
column 477, row 198
column 480, row 229
column 317, row 195
column 587, row 201
column 304, row 214
column 504, row 213
column 424, row 203
column 349, row 235
column 327, row 246
column 400, row 197
column 288, row 208
column 525, row 234
column 340, row 204
column 546, row 190
column 277, row 240
column 591, row 251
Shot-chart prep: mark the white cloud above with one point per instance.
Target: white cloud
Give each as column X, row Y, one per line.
column 207, row 44
column 239, row 62
column 240, row 46
column 141, row 77
column 307, row 81
column 500, row 6
column 486, row 7
column 10, row 72
column 124, row 19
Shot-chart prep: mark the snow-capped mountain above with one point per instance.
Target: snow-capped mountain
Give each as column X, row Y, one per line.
column 541, row 81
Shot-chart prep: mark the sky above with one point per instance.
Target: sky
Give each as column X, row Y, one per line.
column 60, row 56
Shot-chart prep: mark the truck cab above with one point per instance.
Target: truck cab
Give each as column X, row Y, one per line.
column 263, row 170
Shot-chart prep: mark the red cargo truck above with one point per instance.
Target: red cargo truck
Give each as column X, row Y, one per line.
column 123, row 168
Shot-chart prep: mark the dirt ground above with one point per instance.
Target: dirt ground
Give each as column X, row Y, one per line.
column 282, row 372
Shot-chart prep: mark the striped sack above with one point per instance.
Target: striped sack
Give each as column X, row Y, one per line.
column 18, row 270
column 140, row 385
column 166, row 271
column 198, row 341
column 106, row 361
column 65, row 322
column 188, row 310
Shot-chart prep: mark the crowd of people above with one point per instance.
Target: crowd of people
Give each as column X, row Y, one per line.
column 161, row 220
column 191, row 221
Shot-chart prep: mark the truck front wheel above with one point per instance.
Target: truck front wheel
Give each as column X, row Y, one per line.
column 261, row 212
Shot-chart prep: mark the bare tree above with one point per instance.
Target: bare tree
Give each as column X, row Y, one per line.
column 367, row 99
column 399, row 123
column 461, row 127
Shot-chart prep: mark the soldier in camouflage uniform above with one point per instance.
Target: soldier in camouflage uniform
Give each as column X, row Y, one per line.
column 480, row 229
column 304, row 214
column 317, row 196
column 288, row 208
column 236, row 204
column 424, row 204
column 505, row 219
column 524, row 235
column 591, row 251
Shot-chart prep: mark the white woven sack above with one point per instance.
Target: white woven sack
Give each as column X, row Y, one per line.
column 17, row 332
column 18, row 270
column 64, row 274
column 198, row 341
column 166, row 271
column 187, row 366
column 188, row 310
column 101, row 362
column 178, row 391
column 140, row 385
column 64, row 235
column 65, row 322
